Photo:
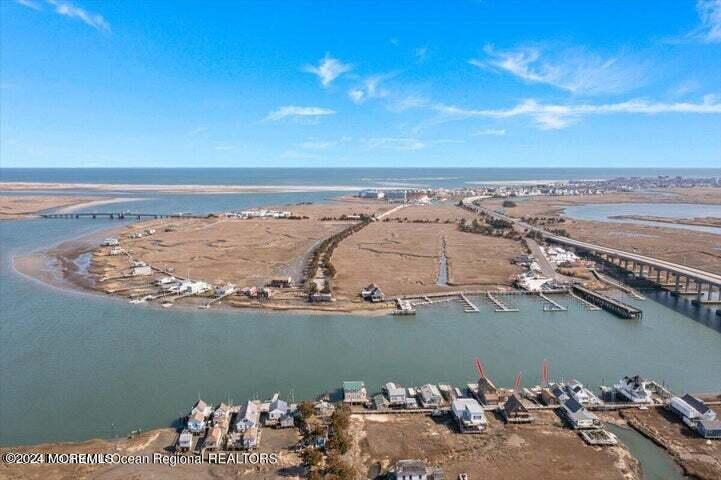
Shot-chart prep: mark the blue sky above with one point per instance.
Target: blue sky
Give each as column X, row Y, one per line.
column 485, row 83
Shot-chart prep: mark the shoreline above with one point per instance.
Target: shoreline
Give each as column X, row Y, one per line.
column 180, row 188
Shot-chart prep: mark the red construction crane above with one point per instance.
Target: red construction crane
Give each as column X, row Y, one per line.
column 479, row 368
column 544, row 373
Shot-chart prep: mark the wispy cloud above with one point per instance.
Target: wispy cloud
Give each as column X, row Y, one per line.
column 29, row 4
column 370, row 88
column 197, row 131
column 294, row 111
column 498, row 132
column 421, row 54
column 224, row 147
column 557, row 116
column 405, row 143
column 709, row 12
column 572, row 69
column 68, row 9
column 328, row 69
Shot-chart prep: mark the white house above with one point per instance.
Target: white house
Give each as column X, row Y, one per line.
column 141, row 271
column 429, row 396
column 110, row 242
column 277, row 410
column 185, row 441
column 469, row 414
column 196, row 422
column 396, row 395
column 248, row 417
column 577, row 416
column 634, row 389
column 691, row 409
column 202, row 407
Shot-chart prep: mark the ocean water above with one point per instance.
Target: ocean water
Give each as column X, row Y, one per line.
column 356, row 177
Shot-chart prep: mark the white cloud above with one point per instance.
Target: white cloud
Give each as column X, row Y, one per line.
column 328, row 69
column 67, row 9
column 709, row 12
column 498, row 132
column 197, row 131
column 572, row 69
column 294, row 111
column 28, row 3
column 316, row 145
column 396, row 143
column 557, row 116
column 370, row 88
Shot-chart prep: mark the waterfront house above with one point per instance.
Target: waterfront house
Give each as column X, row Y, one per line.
column 196, row 422
column 710, row 429
column 691, row 409
column 114, row 251
column 469, row 415
column 514, row 411
column 374, row 194
column 248, row 417
column 278, row 408
column 110, row 242
column 221, row 417
column 164, row 281
column 324, row 408
column 396, row 395
column 373, row 293
column 354, row 392
column 560, row 393
column 415, row 470
column 202, row 407
column 547, row 397
column 429, row 396
column 487, row 391
column 576, row 390
column 185, row 441
column 577, row 416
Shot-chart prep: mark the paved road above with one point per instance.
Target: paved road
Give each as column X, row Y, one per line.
column 696, row 274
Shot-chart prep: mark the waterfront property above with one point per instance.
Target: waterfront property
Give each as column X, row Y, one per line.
column 248, row 417
column 354, row 392
column 514, row 411
column 697, row 415
column 634, row 389
column 578, row 417
column 429, row 396
column 396, row 394
column 469, row 415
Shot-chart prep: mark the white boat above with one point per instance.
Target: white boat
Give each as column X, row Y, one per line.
column 634, row 389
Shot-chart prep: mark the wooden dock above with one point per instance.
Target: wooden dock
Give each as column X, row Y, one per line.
column 555, row 306
column 588, row 304
column 470, row 307
column 500, row 306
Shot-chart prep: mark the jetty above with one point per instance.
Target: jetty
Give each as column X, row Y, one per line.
column 609, row 304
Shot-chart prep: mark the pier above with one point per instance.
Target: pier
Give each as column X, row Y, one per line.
column 470, row 307
column 555, row 306
column 607, row 303
column 500, row 306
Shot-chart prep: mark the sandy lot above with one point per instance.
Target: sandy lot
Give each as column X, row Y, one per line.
column 23, row 206
column 698, row 457
column 442, row 212
column 244, row 252
column 481, row 261
column 149, row 443
column 541, row 450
